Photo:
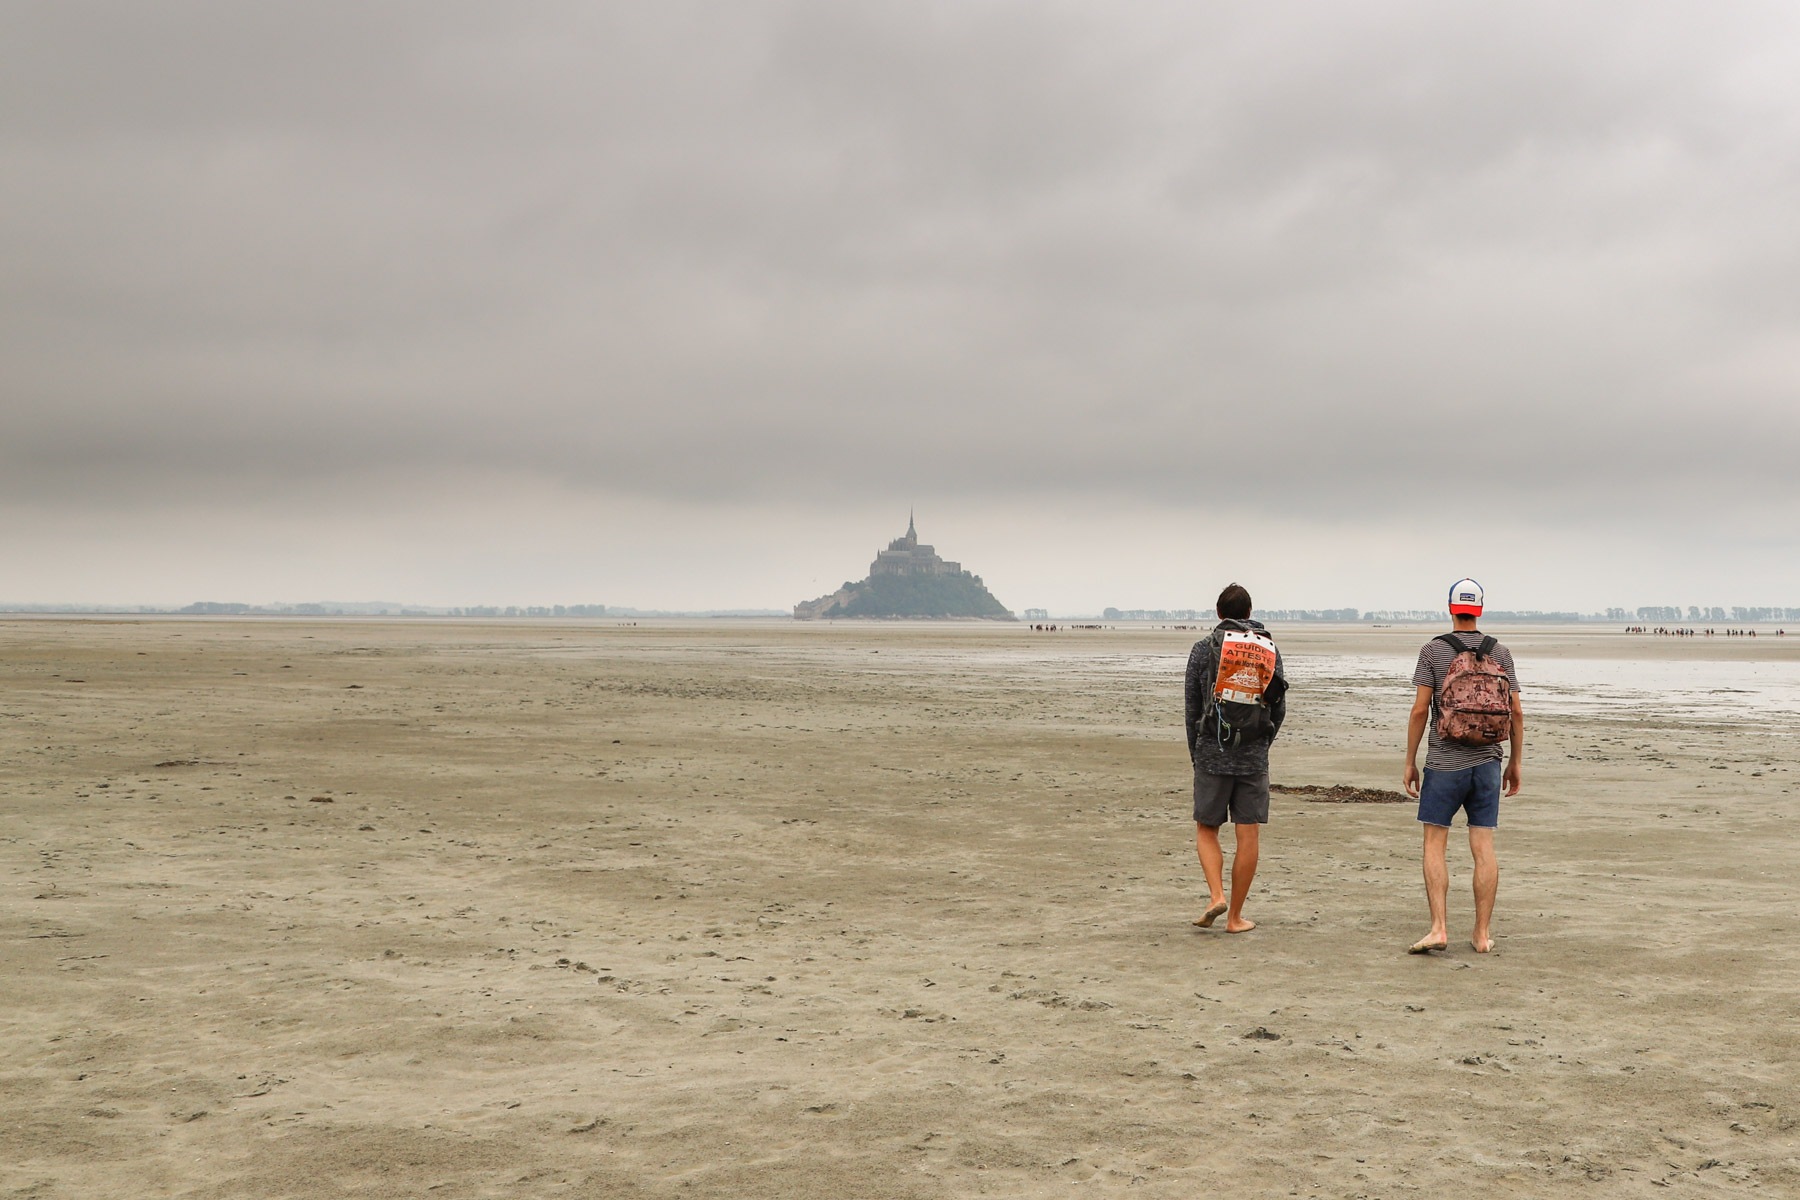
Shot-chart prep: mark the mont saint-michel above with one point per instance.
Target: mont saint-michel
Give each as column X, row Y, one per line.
column 909, row 580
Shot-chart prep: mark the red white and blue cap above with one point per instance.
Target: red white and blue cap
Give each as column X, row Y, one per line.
column 1465, row 598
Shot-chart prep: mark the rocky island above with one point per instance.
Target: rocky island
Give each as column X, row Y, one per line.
column 909, row 580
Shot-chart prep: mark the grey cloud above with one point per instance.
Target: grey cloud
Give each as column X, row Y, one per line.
column 773, row 251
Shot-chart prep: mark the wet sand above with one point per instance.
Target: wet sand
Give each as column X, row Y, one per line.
column 754, row 909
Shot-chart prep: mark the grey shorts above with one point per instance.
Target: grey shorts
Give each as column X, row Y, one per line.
column 1242, row 798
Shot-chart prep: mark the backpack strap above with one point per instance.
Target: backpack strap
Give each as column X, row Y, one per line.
column 1487, row 646
column 1456, row 647
column 1210, row 678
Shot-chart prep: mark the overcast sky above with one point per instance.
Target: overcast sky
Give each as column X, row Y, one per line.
column 684, row 305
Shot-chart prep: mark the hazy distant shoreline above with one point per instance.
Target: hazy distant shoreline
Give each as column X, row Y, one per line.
column 1737, row 615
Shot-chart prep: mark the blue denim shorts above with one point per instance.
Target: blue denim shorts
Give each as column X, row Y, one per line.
column 1475, row 789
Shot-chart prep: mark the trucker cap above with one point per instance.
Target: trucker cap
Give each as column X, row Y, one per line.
column 1465, row 598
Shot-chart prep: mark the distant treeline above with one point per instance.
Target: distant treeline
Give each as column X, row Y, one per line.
column 217, row 608
column 1664, row 614
column 228, row 608
column 1698, row 615
column 554, row 610
column 376, row 608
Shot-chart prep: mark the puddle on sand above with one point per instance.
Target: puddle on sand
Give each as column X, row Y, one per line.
column 1706, row 692
column 1656, row 691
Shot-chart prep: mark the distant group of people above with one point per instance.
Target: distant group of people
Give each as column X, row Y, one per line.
column 1665, row 632
column 1466, row 696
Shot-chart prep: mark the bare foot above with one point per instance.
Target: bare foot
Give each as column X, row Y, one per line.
column 1241, row 925
column 1482, row 945
column 1427, row 944
column 1211, row 914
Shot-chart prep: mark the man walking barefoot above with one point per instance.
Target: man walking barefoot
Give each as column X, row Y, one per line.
column 1467, row 691
column 1236, row 699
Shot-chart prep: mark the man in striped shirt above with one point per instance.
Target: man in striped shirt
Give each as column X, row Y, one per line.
column 1459, row 776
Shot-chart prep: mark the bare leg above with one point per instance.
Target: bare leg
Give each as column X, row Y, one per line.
column 1212, row 862
column 1212, row 858
column 1243, row 871
column 1487, row 886
column 1437, row 889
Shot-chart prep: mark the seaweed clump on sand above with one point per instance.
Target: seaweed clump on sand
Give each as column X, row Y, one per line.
column 1340, row 793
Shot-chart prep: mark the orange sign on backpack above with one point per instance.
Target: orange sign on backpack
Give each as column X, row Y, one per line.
column 1246, row 665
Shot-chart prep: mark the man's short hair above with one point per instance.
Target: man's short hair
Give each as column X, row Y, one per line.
column 1234, row 603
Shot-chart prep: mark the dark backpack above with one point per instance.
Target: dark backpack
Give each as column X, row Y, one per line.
column 1242, row 688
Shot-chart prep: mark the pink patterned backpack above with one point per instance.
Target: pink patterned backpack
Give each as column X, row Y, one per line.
column 1475, row 703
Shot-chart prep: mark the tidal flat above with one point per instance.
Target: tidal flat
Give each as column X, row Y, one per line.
column 758, row 909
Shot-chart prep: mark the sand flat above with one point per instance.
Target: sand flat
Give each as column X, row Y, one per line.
column 755, row 909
